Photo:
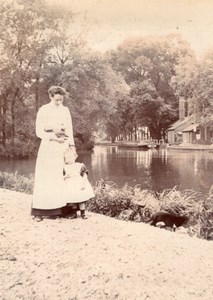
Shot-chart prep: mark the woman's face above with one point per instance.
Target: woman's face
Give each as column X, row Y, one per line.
column 57, row 99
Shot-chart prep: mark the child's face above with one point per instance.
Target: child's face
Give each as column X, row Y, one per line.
column 70, row 157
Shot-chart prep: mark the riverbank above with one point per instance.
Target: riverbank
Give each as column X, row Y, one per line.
column 183, row 146
column 97, row 258
column 188, row 146
column 126, row 144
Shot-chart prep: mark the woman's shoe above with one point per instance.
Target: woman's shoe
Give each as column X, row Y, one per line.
column 53, row 217
column 73, row 215
column 38, row 218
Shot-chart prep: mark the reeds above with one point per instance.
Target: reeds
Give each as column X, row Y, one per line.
column 16, row 182
column 135, row 204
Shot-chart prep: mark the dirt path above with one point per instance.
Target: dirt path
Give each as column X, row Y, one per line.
column 97, row 258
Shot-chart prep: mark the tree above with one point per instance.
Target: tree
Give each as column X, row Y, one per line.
column 94, row 91
column 204, row 93
column 28, row 32
column 148, row 65
column 194, row 82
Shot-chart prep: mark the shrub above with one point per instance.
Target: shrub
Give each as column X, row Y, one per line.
column 179, row 202
column 205, row 217
column 16, row 182
column 109, row 200
column 134, row 204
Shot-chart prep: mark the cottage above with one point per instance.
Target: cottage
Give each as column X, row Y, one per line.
column 187, row 130
column 191, row 134
column 175, row 132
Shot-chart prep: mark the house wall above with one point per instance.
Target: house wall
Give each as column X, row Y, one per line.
column 206, row 135
column 188, row 137
column 171, row 137
column 174, row 137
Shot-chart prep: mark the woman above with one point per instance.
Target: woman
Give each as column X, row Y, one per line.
column 54, row 128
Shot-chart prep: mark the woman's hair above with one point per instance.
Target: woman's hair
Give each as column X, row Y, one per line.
column 56, row 90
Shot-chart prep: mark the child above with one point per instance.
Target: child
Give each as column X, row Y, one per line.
column 77, row 188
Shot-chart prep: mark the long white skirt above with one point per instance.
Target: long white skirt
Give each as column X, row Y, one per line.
column 48, row 186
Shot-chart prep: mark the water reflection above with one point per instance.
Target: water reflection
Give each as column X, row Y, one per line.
column 195, row 168
column 152, row 169
column 22, row 166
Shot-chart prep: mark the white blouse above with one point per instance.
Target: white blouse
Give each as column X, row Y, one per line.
column 50, row 116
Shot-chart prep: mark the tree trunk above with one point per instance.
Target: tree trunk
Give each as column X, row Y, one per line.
column 1, row 121
column 113, row 139
column 13, row 127
column 155, row 132
column 3, row 114
column 13, row 120
column 205, row 135
column 36, row 98
column 38, row 76
column 135, row 134
column 4, row 135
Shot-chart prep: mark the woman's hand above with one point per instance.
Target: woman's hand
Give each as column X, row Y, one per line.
column 58, row 130
column 58, row 140
column 58, row 134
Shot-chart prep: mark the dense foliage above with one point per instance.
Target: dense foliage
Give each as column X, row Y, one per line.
column 134, row 204
column 194, row 82
column 16, row 182
column 113, row 94
column 38, row 50
column 148, row 64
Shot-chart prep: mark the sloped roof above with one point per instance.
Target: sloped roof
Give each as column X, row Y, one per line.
column 190, row 127
column 178, row 123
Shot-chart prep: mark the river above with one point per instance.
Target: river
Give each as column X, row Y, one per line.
column 152, row 169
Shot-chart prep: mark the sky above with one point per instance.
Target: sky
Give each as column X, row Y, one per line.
column 109, row 22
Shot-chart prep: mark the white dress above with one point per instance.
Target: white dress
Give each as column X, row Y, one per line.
column 48, row 185
column 77, row 188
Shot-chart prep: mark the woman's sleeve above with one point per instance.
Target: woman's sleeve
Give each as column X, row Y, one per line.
column 40, row 125
column 69, row 128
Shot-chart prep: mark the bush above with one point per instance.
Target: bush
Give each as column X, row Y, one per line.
column 180, row 202
column 109, row 200
column 16, row 182
column 205, row 216
column 133, row 204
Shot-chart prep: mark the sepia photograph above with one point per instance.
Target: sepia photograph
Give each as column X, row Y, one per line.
column 106, row 149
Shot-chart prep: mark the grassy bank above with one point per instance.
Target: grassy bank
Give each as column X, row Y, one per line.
column 16, row 182
column 134, row 204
